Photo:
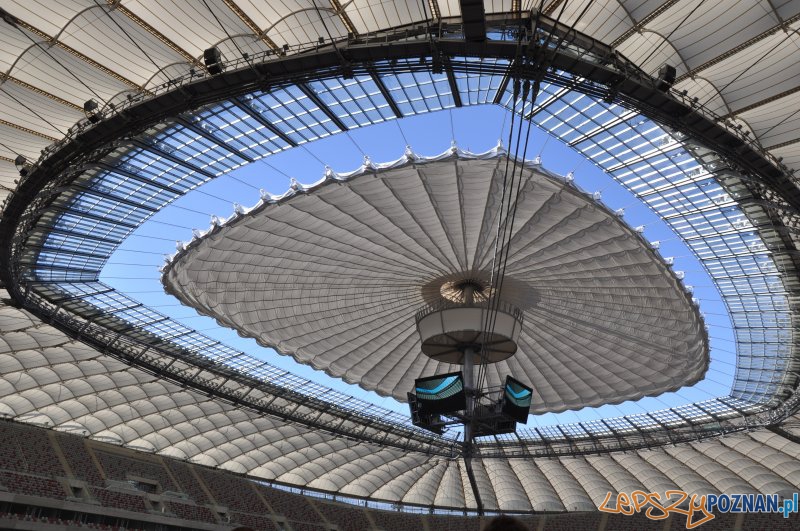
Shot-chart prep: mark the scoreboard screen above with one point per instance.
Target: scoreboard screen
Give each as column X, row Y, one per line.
column 439, row 394
column 517, row 399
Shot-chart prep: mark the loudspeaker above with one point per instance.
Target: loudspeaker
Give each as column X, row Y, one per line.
column 666, row 77
column 213, row 61
column 438, row 64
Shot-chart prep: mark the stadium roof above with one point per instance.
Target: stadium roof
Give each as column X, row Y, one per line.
column 718, row 167
column 333, row 273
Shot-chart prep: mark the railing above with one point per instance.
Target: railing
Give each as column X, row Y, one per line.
column 490, row 305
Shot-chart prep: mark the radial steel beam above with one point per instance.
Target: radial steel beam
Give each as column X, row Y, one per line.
column 211, row 138
column 136, row 177
column 316, row 100
column 172, row 158
column 116, row 5
column 258, row 32
column 741, row 47
column 451, row 80
column 640, row 24
column 385, row 92
column 94, row 217
column 257, row 116
column 28, row 86
column 83, row 57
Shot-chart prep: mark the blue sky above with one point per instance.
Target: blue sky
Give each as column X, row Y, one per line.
column 133, row 268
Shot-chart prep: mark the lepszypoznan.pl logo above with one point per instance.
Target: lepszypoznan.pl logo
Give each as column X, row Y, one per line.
column 700, row 507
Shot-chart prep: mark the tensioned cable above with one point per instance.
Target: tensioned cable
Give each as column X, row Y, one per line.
column 581, row 162
column 427, row 18
column 9, row 149
column 42, row 118
column 202, row 192
column 244, row 55
column 666, row 39
column 780, row 43
column 67, row 70
column 492, row 313
column 511, row 208
column 336, row 48
column 135, row 43
column 353, row 140
column 764, row 133
column 240, row 181
column 402, row 133
column 310, row 153
column 490, row 302
column 546, row 140
column 190, row 210
column 510, row 214
column 493, row 305
column 503, row 125
column 148, row 237
column 137, row 251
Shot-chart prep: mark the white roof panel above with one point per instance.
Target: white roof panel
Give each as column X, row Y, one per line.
column 702, row 30
column 758, row 72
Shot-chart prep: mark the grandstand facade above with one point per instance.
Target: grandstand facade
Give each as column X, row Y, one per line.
column 119, row 417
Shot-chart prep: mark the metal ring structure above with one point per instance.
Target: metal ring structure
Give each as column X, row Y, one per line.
column 763, row 189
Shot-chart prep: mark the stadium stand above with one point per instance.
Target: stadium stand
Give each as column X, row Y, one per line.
column 189, row 482
column 254, row 521
column 191, row 512
column 229, row 491
column 79, row 459
column 96, row 492
column 124, row 468
column 345, row 518
column 32, row 485
column 391, row 521
column 286, row 503
column 29, row 451
column 119, row 500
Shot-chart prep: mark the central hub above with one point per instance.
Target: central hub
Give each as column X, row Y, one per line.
column 473, row 324
column 469, row 326
column 452, row 287
column 459, row 289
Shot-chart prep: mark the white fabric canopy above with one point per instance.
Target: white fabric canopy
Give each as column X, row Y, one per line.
column 333, row 274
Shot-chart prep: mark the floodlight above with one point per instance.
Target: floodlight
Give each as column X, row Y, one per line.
column 21, row 164
column 213, row 60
